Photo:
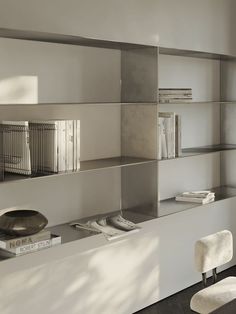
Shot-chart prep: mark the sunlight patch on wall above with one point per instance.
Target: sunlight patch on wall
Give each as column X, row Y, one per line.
column 19, row 90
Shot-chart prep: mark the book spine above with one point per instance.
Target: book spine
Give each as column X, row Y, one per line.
column 16, row 242
column 61, row 146
column 178, row 136
column 36, row 246
column 70, row 145
column 159, row 144
column 175, row 96
column 175, row 91
column 175, row 101
column 77, row 139
column 163, row 138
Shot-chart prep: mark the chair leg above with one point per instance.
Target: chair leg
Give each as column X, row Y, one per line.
column 214, row 273
column 204, row 279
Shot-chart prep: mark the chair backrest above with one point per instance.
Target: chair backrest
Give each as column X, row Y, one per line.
column 213, row 251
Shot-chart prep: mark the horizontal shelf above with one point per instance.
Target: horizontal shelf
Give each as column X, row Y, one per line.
column 171, row 206
column 106, row 103
column 202, row 150
column 197, row 103
column 69, row 234
column 88, row 165
column 195, row 54
column 67, row 39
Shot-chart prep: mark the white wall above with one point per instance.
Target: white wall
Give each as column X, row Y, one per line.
column 151, row 266
column 206, row 25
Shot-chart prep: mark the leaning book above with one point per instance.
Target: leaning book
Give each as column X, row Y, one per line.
column 33, row 247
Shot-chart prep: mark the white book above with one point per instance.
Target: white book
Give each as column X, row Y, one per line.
column 159, row 139
column 178, row 136
column 175, row 96
column 195, row 199
column 70, row 145
column 77, row 144
column 33, row 247
column 61, row 146
column 175, row 100
column 162, row 138
column 198, row 195
column 170, row 132
column 181, row 91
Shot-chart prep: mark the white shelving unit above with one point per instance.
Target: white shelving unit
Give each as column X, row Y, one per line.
column 207, row 131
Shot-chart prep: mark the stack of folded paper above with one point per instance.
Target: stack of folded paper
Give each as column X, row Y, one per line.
column 112, row 227
column 201, row 197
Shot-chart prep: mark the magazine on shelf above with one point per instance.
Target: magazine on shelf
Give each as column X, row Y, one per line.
column 111, row 227
column 200, row 197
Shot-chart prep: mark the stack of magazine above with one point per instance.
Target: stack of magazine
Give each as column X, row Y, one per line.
column 175, row 95
column 41, row 147
column 200, row 197
column 13, row 246
column 169, row 129
column 112, row 228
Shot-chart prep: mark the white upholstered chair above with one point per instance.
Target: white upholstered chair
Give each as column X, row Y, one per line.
column 210, row 252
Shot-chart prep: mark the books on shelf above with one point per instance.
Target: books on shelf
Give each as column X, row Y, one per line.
column 169, row 129
column 200, row 197
column 9, row 242
column 16, row 150
column 175, row 95
column 26, row 246
column 112, row 228
column 55, row 146
column 40, row 147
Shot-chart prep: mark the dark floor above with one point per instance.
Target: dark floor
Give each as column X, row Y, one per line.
column 179, row 302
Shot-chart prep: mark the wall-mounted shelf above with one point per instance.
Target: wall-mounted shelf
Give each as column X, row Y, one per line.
column 195, row 151
column 195, row 54
column 198, row 103
column 69, row 234
column 171, row 206
column 89, row 165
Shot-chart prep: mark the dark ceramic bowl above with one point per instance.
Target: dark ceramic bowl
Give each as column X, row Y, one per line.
column 22, row 222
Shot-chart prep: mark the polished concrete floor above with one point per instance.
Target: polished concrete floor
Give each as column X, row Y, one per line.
column 179, row 302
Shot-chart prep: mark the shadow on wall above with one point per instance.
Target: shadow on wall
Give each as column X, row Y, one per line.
column 19, row 90
column 101, row 281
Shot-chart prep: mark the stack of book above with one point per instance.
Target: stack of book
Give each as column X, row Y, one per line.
column 13, row 246
column 111, row 227
column 169, row 129
column 54, row 146
column 175, row 95
column 200, row 197
column 41, row 147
